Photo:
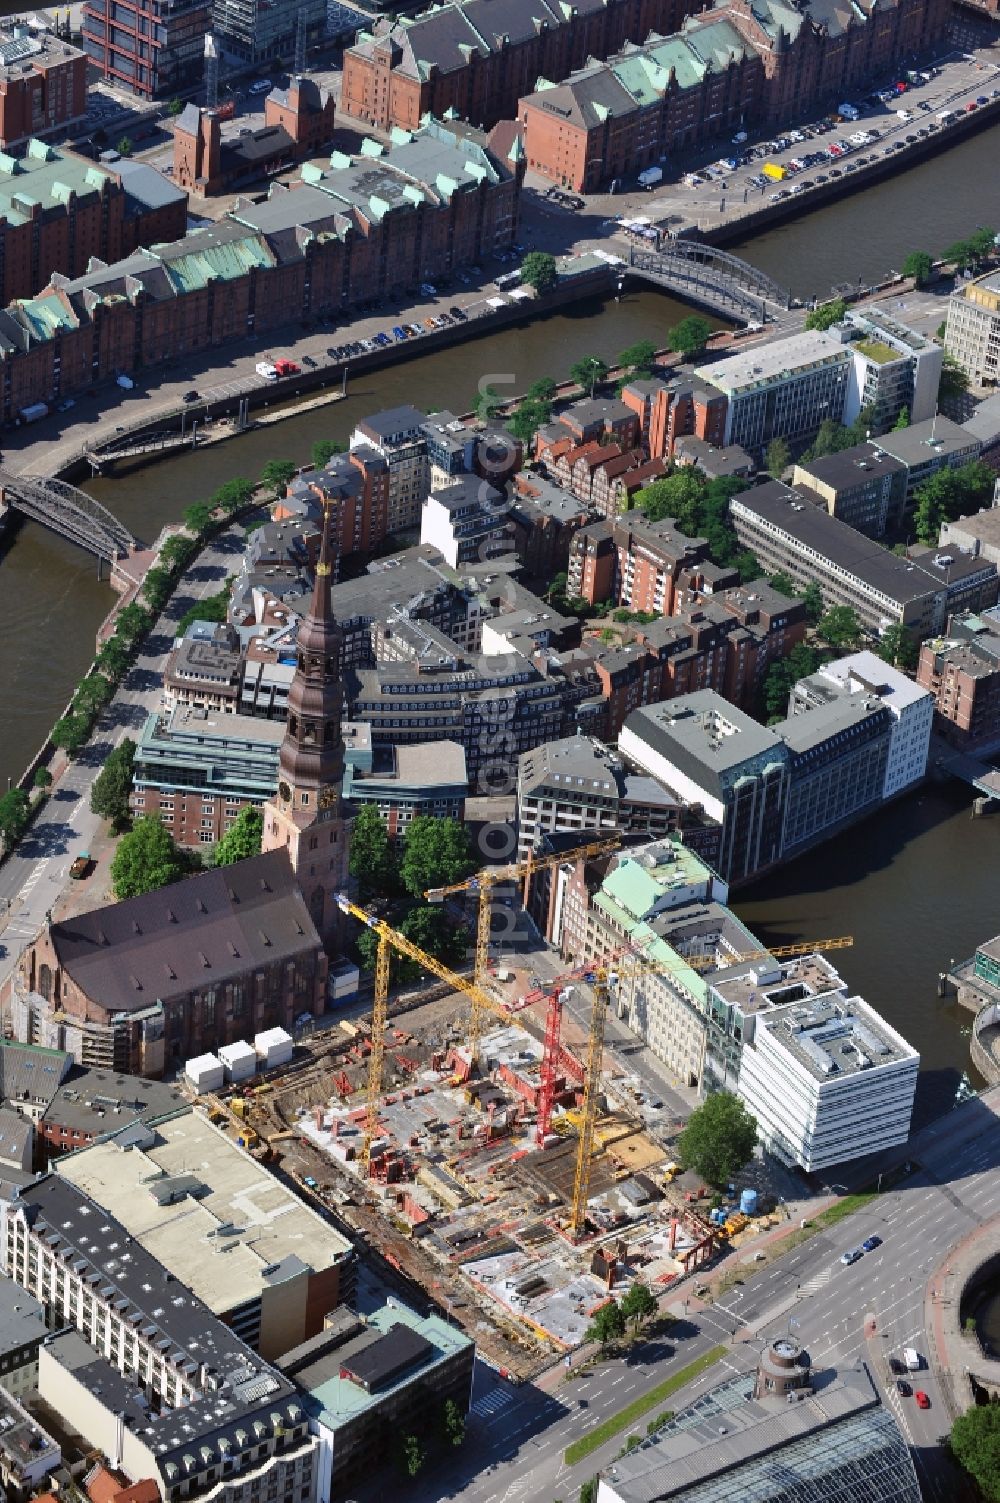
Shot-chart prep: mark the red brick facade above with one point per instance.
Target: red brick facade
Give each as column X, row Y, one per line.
column 42, row 95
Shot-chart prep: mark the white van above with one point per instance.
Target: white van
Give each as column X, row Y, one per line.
column 266, row 370
column 912, row 1358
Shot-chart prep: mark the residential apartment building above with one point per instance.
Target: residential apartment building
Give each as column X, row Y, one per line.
column 466, row 521
column 357, row 486
column 174, row 1189
column 910, row 705
column 142, row 985
column 28, row 1453
column 676, row 409
column 863, row 487
column 895, row 368
column 827, row 1079
column 156, row 48
column 391, row 1372
column 397, row 437
column 202, row 671
column 543, row 521
column 962, row 672
column 311, row 251
column 928, row 447
column 196, row 769
column 579, row 786
column 972, row 331
column 592, row 569
column 43, row 85
column 93, row 1104
column 707, row 752
column 655, row 561
column 478, row 58
column 203, row 1412
column 789, row 532
column 782, row 390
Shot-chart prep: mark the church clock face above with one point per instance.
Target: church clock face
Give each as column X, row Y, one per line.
column 327, row 798
column 284, row 792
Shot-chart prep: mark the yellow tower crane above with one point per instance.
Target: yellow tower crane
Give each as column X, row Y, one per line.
column 483, row 883
column 777, row 952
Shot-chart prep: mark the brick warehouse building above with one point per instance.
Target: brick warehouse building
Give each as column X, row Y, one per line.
column 43, row 85
column 58, row 211
column 315, row 249
column 722, row 69
column 479, row 57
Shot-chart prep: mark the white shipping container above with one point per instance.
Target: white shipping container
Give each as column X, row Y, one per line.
column 343, row 981
column 239, row 1059
column 205, row 1073
column 273, row 1047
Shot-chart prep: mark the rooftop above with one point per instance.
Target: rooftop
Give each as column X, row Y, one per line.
column 774, row 362
column 920, row 442
column 580, row 764
column 831, row 1037
column 100, row 1102
column 207, row 1211
column 30, row 1073
column 863, row 670
column 819, row 724
column 704, row 736
column 849, row 468
column 22, row 1318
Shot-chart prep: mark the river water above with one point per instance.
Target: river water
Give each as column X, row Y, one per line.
column 915, row 886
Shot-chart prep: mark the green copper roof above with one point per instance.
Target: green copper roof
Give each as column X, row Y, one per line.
column 46, row 315
column 675, row 54
column 216, row 260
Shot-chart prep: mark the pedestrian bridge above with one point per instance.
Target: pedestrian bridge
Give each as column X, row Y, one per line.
column 70, row 512
column 715, row 279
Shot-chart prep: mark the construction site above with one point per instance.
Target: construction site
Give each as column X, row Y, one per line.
column 492, row 1151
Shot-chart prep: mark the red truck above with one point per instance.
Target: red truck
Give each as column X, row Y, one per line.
column 286, row 367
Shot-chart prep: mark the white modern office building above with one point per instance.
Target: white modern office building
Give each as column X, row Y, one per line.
column 827, row 1079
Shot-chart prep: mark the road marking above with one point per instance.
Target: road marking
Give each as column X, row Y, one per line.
column 492, row 1403
column 817, row 1282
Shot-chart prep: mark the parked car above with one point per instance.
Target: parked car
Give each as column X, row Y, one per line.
column 308, row 360
column 903, row 1388
column 191, row 396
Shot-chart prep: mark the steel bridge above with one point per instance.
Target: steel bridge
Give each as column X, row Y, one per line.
column 712, row 277
column 69, row 512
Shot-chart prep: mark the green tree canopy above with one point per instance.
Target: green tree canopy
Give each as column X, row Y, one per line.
column 719, row 1138
column 975, row 1445
column 124, row 147
column 14, row 808
column 42, row 778
column 782, row 673
column 607, row 1325
column 210, row 608
column 175, row 107
column 132, row 622
column 452, row 1423
column 538, row 270
column 487, row 403
column 111, row 789
column 413, row 1455
column 812, row 595
column 146, row 859
column 113, row 658
column 690, row 336
column 277, row 474
column 840, row 627
column 198, row 517
column 234, row 494
column 827, row 314
column 70, row 733
column 531, row 415
column 949, row 494
column 639, row 358
column 156, row 587
column 372, row 859
column 902, row 420
column 436, row 852
column 779, row 457
column 954, row 380
column 638, row 1304
column 542, row 390
column 323, row 451
column 93, row 693
column 898, row 647
column 435, row 931
column 918, row 265
column 242, row 839
column 783, row 583
column 177, row 551
column 589, row 372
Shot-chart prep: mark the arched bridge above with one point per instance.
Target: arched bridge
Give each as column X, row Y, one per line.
column 711, row 277
column 70, row 512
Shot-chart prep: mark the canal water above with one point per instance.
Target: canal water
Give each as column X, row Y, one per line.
column 915, row 886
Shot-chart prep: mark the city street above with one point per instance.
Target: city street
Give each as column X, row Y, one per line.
column 32, row 879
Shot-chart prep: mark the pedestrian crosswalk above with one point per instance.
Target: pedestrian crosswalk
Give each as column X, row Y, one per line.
column 492, row 1402
column 817, row 1282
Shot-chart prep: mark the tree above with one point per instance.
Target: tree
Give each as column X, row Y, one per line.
column 918, row 265
column 372, row 860
column 124, row 147
column 542, row 390
column 812, row 596
column 175, row 107
column 402, row 970
column 948, row 494
column 156, row 587
column 975, row 1445
column 827, row 314
column 783, row 583
column 42, row 778
column 113, row 658
column 243, row 838
column 608, row 1325
column 14, row 810
column 529, row 417
column 779, row 457
column 452, row 1423
column 840, row 627
column 746, row 564
column 70, row 733
column 897, row 646
column 487, row 404
column 413, row 1455
column 954, row 382
column 588, row 1490
column 902, row 420
column 782, row 674
column 679, row 496
column 589, row 372
column 234, row 494
column 719, row 1138
column 277, row 474
column 146, row 859
column 538, row 270
column 690, row 336
column 132, row 622
column 197, row 518
column 638, row 1304
column 434, row 931
column 94, row 692
column 177, row 551
column 111, row 789
column 436, row 853
column 323, row 451
column 557, row 588
column 639, row 358
column 211, row 608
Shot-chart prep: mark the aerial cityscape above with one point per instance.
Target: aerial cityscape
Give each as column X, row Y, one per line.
column 500, row 719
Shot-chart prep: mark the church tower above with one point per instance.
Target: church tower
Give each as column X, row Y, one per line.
column 306, row 817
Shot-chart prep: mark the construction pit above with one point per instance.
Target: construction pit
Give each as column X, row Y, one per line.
column 460, row 1195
